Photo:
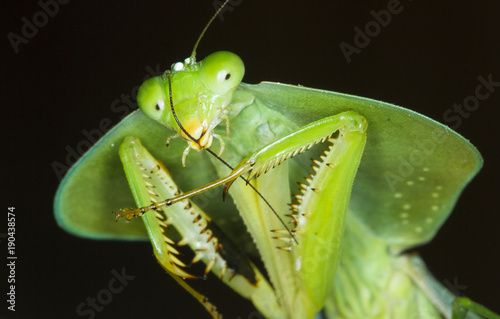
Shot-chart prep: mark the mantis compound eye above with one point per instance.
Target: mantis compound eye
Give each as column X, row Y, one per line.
column 151, row 98
column 222, row 71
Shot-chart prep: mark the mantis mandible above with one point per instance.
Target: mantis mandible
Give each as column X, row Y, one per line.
column 351, row 200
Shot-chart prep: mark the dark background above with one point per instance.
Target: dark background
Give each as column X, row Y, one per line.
column 66, row 77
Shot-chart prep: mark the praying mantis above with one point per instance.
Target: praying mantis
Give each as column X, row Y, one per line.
column 379, row 224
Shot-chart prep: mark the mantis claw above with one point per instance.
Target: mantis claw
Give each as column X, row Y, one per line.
column 128, row 213
column 167, row 143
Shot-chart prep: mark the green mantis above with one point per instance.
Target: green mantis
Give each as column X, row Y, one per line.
column 390, row 209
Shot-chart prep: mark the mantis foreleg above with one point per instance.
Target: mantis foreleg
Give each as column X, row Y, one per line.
column 149, row 181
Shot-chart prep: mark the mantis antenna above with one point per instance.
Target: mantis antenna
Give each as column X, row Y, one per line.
column 193, row 54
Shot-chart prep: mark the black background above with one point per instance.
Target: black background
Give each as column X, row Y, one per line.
column 66, row 77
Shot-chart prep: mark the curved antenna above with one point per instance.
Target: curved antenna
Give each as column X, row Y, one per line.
column 193, row 54
column 222, row 161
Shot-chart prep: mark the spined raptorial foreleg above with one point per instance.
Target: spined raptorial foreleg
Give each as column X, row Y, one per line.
column 150, row 181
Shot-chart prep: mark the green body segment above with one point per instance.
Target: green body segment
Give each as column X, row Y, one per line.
column 372, row 283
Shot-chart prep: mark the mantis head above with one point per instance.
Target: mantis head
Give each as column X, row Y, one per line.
column 199, row 92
